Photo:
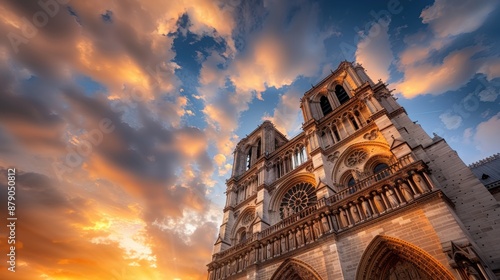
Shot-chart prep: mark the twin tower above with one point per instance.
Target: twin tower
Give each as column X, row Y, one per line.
column 362, row 193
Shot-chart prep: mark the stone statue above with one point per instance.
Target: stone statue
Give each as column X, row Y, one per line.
column 326, row 226
column 299, row 238
column 307, row 234
column 354, row 212
column 379, row 203
column 316, row 230
column 421, row 184
column 343, row 218
column 276, row 247
column 393, row 200
column 285, row 212
column 366, row 208
column 405, row 189
column 291, row 240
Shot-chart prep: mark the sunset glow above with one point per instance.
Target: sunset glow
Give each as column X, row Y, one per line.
column 121, row 118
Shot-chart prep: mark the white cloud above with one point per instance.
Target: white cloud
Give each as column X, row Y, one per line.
column 451, row 121
column 456, row 69
column 451, row 17
column 447, row 20
column 219, row 159
column 488, row 95
column 486, row 137
column 286, row 115
column 277, row 52
column 374, row 51
column 468, row 133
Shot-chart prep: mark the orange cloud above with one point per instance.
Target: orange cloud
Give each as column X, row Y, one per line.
column 429, row 78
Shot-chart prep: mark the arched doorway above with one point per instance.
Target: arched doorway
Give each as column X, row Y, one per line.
column 292, row 269
column 388, row 258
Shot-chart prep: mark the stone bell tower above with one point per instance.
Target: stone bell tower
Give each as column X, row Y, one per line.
column 362, row 193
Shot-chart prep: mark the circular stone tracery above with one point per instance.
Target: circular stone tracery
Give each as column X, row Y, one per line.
column 356, row 157
column 297, row 198
column 249, row 216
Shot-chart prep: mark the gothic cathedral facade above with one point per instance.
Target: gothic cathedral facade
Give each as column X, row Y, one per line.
column 361, row 193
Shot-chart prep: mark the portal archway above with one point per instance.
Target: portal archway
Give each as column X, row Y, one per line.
column 389, row 258
column 292, row 269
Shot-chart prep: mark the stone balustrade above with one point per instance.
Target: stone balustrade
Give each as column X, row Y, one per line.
column 373, row 197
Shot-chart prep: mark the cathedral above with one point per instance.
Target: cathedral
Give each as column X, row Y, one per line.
column 363, row 192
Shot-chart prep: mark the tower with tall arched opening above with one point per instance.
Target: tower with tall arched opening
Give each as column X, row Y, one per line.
column 361, row 193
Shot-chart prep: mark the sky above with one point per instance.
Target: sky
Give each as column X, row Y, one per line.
column 120, row 117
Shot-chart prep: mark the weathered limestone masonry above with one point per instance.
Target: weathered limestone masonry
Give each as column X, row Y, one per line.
column 362, row 193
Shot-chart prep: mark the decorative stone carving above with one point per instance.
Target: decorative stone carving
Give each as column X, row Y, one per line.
column 248, row 217
column 393, row 200
column 366, row 207
column 343, row 217
column 405, row 189
column 310, row 168
column 297, row 198
column 356, row 157
column 333, row 157
column 419, row 181
column 354, row 212
column 269, row 165
column 378, row 203
column 372, row 135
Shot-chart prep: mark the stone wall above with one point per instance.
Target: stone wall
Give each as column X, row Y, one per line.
column 429, row 225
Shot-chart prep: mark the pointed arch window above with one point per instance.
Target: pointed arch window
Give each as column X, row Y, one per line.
column 379, row 167
column 351, row 182
column 249, row 158
column 336, row 133
column 341, row 94
column 259, row 148
column 326, row 107
column 354, row 123
column 381, row 171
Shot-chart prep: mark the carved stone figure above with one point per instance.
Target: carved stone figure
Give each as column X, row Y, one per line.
column 286, row 212
column 393, row 200
column 307, row 234
column 276, row 247
column 291, row 240
column 405, row 189
column 366, row 208
column 299, row 238
column 379, row 203
column 354, row 213
column 283, row 244
column 326, row 226
column 317, row 232
column 343, row 218
column 421, row 184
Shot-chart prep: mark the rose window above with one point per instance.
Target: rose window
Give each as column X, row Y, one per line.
column 249, row 216
column 297, row 198
column 356, row 157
